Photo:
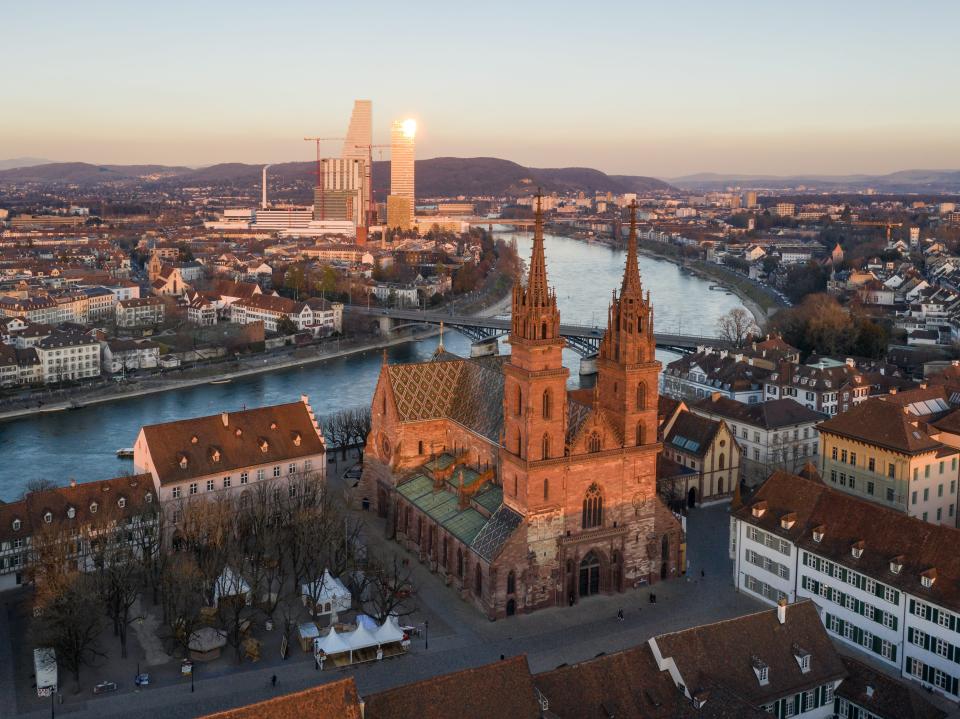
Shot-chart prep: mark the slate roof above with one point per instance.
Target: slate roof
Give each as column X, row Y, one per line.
column 772, row 414
column 882, row 423
column 465, row 391
column 336, row 699
column 845, row 519
column 891, row 699
column 692, row 433
column 722, row 653
column 494, row 534
column 502, row 689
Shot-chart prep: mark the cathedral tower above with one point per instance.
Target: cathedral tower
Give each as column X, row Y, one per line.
column 535, row 383
column 627, row 367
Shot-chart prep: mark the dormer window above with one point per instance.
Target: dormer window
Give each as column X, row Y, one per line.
column 857, row 550
column 818, row 533
column 788, row 520
column 71, row 512
column 148, row 497
column 264, row 445
column 803, row 658
column 215, row 455
column 296, row 439
column 238, row 432
column 273, row 425
column 896, row 565
column 48, row 517
column 194, row 439
column 93, row 507
column 928, row 578
column 183, row 461
column 16, row 525
column 759, row 509
column 122, row 502
column 761, row 669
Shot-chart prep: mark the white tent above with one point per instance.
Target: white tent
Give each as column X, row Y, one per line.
column 389, row 632
column 333, row 643
column 230, row 584
column 328, row 593
column 360, row 638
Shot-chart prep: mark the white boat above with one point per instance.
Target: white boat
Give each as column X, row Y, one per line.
column 125, row 453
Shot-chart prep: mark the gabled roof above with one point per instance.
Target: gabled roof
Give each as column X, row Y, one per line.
column 336, row 699
column 503, row 689
column 883, row 696
column 692, row 434
column 885, row 533
column 882, row 423
column 725, row 652
column 772, row 414
column 224, row 442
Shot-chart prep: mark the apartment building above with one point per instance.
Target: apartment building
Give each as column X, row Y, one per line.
column 140, row 312
column 68, row 356
column 230, row 451
column 881, row 452
column 81, row 514
column 776, row 434
column 826, row 386
column 700, row 375
column 883, row 583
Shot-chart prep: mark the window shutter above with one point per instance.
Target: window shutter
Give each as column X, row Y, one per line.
column 913, row 606
column 910, row 634
column 927, row 639
column 876, row 644
column 893, row 653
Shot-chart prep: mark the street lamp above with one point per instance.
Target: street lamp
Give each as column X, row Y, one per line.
column 426, row 634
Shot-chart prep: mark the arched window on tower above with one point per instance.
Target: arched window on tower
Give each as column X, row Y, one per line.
column 641, row 396
column 721, row 461
column 478, row 580
column 592, row 508
column 594, row 442
column 543, row 331
column 511, row 583
column 641, row 438
column 546, row 408
column 546, row 489
column 545, row 444
column 518, row 401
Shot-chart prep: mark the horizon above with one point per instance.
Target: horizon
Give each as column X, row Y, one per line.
column 662, row 92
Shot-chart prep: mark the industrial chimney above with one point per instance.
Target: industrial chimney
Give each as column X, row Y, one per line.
column 263, row 200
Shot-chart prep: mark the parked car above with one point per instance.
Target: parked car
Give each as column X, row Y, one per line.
column 104, row 687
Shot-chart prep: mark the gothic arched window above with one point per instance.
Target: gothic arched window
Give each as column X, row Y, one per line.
column 640, row 434
column 511, row 583
column 592, row 508
column 518, row 401
column 546, row 404
column 641, row 396
column 545, row 444
column 721, row 461
column 460, row 562
column 594, row 442
column 546, row 489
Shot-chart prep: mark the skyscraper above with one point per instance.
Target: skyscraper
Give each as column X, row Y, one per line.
column 402, row 192
column 359, row 133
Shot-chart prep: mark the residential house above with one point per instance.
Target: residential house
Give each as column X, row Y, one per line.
column 882, row 582
column 824, row 385
column 141, row 312
column 125, row 355
column 68, row 356
column 776, row 434
column 706, row 446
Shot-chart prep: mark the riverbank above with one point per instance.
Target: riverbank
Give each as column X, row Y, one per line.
column 298, row 357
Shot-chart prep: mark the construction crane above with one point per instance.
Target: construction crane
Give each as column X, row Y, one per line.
column 878, row 223
column 371, row 205
column 318, row 140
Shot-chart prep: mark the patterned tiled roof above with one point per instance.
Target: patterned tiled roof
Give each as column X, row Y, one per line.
column 495, row 533
column 467, row 391
column 576, row 415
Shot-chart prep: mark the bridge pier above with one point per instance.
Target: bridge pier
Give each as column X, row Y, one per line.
column 386, row 326
column 485, row 348
column 588, row 365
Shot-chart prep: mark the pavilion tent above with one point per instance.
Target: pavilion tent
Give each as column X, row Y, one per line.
column 230, row 584
column 329, row 594
column 331, row 644
column 389, row 632
column 360, row 638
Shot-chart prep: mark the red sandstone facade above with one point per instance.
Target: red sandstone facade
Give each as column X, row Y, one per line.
column 559, row 485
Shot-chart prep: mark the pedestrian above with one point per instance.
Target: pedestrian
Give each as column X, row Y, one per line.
column 273, row 680
column 620, row 614
column 702, row 574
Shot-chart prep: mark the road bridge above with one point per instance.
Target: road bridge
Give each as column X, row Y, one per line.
column 582, row 339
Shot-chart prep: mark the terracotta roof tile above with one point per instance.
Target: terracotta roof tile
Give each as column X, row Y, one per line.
column 337, row 699
column 887, row 697
column 882, row 423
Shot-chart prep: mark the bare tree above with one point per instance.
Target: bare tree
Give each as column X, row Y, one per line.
column 182, row 591
column 386, row 588
column 737, row 326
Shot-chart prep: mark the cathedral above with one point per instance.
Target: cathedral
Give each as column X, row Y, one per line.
column 520, row 492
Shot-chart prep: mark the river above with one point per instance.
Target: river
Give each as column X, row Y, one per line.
column 81, row 444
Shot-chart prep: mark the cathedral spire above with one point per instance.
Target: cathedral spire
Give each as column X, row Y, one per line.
column 631, row 275
column 537, row 290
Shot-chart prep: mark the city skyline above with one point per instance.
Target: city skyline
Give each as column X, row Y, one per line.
column 641, row 90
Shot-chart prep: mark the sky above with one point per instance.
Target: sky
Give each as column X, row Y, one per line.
column 662, row 89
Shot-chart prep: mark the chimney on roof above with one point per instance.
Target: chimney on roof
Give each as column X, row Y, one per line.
column 955, row 363
column 923, row 385
column 73, row 482
column 893, row 390
column 782, row 611
column 225, row 418
column 849, row 362
column 304, row 399
column 363, row 708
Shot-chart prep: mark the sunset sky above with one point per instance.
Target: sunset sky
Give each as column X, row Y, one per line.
column 660, row 89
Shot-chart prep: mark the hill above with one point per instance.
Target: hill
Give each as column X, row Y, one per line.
column 22, row 162
column 900, row 181
column 437, row 177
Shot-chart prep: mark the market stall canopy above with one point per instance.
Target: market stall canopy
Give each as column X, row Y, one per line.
column 389, row 632
column 333, row 643
column 328, row 589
